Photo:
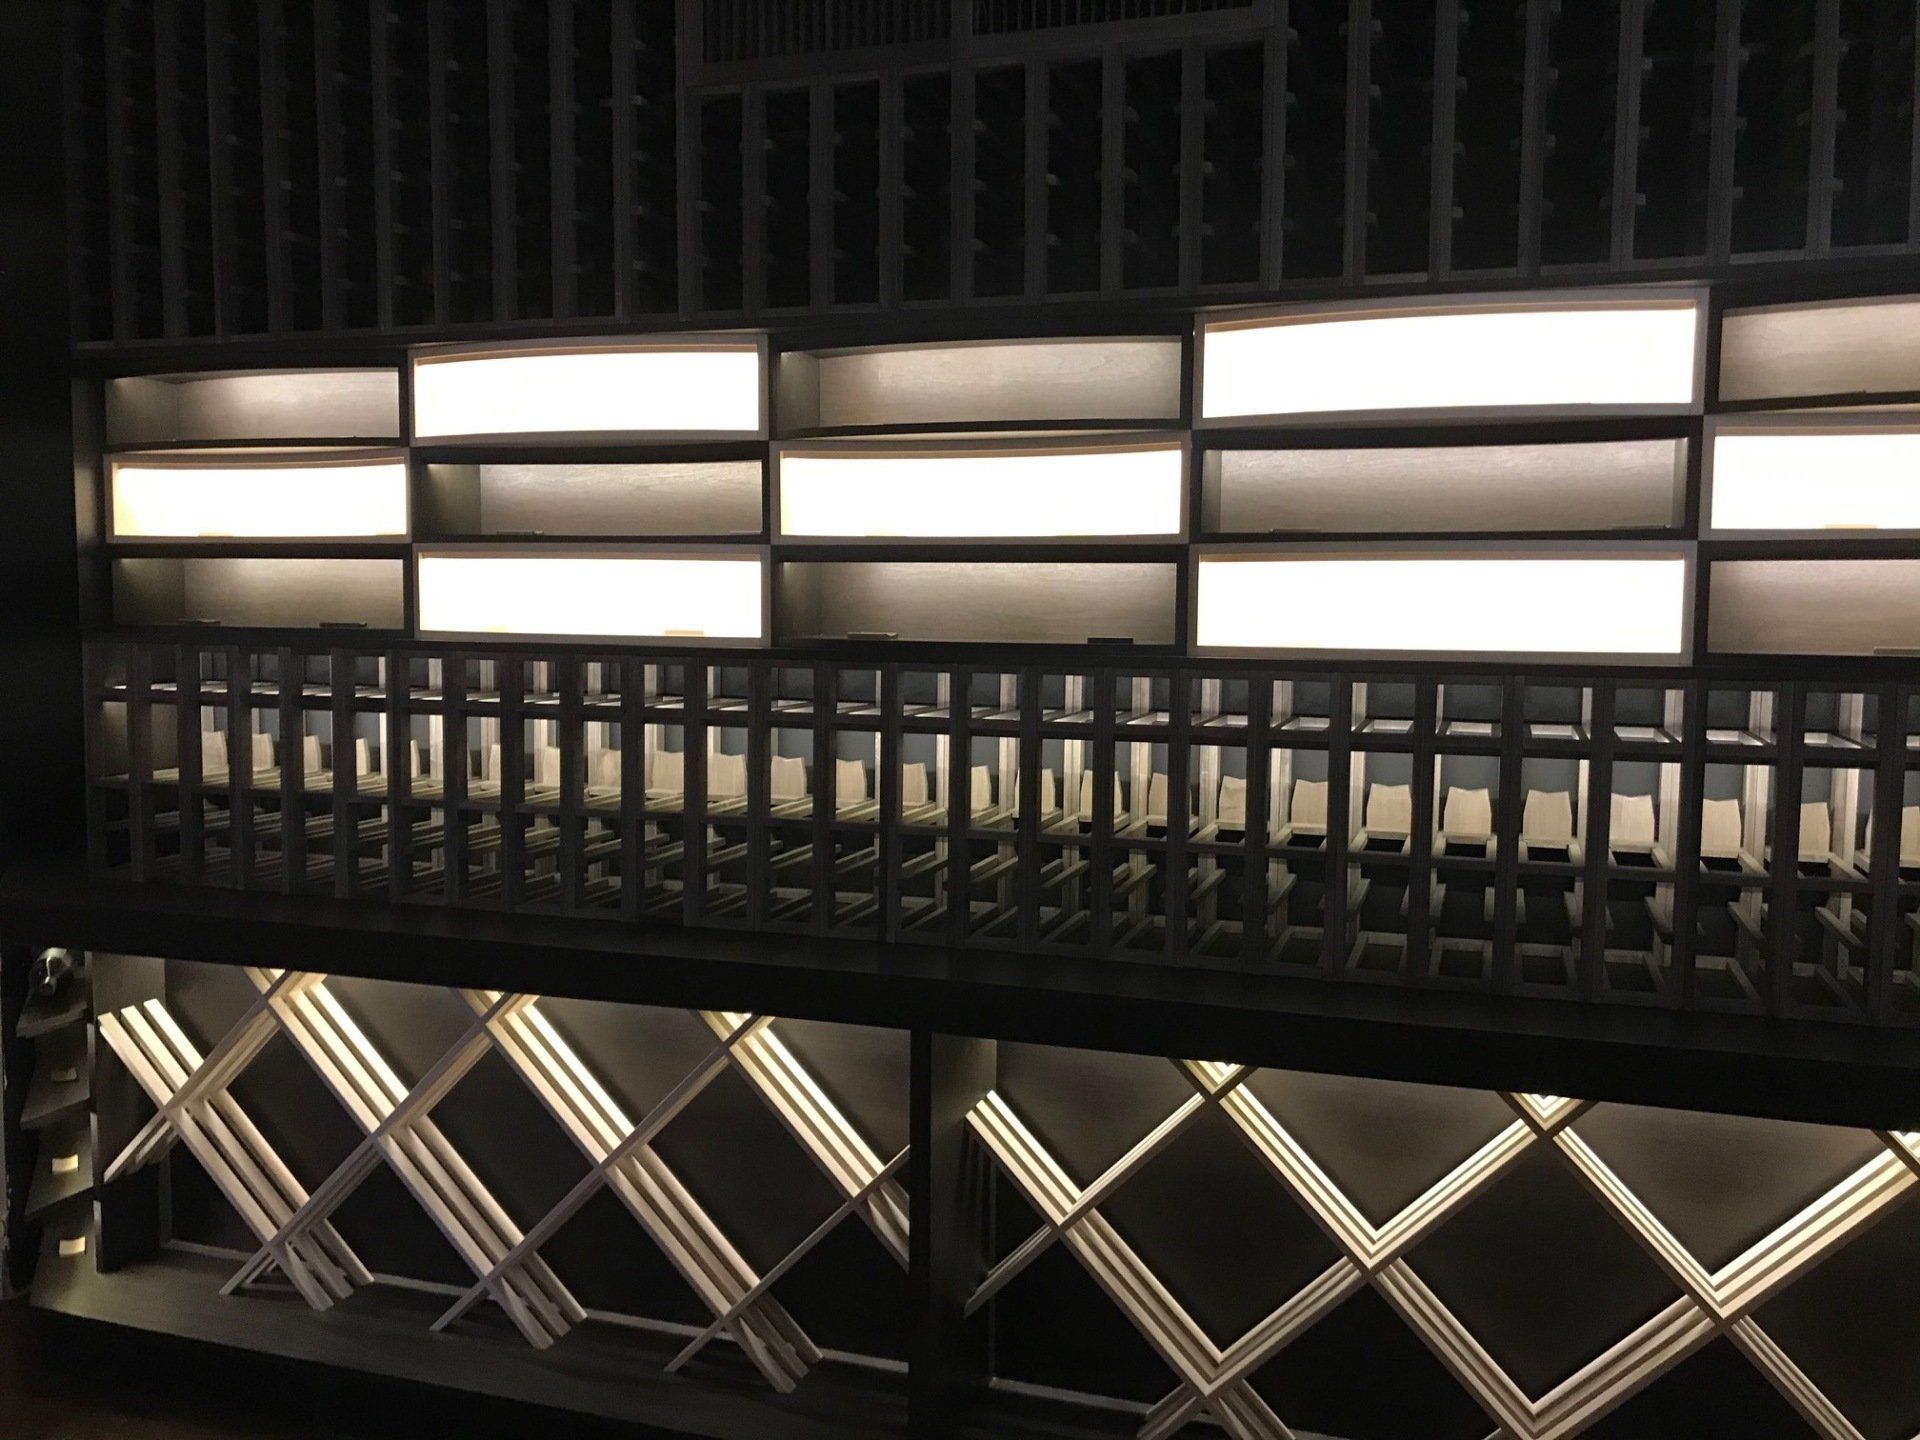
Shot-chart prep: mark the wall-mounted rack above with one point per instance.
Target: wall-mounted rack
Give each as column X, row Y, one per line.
column 629, row 1184
column 1661, row 838
column 1061, row 489
column 1429, row 809
column 322, row 172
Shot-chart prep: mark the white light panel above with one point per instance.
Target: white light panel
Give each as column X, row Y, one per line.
column 696, row 389
column 307, row 498
column 1528, row 605
column 1596, row 354
column 1048, row 493
column 1816, row 480
column 598, row 595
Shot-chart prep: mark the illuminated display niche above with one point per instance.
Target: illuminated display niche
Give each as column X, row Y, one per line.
column 1499, row 356
column 286, row 496
column 1598, row 605
column 712, row 597
column 645, row 388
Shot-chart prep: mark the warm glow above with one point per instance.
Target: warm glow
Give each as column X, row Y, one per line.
column 1053, row 493
column 1816, row 480
column 295, row 498
column 1453, row 604
column 695, row 389
column 1622, row 354
column 610, row 595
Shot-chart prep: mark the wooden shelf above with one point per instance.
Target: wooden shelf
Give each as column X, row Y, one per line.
column 1831, row 349
column 1835, row 1074
column 603, row 1370
column 1589, row 486
column 49, row 1097
column 658, row 499
column 257, row 591
column 255, row 406
column 987, row 383
column 51, row 1189
column 1814, row 606
column 985, row 601
column 40, row 1018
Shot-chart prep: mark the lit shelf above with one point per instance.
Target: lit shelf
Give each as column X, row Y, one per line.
column 1826, row 477
column 253, row 405
column 1570, row 486
column 273, row 592
column 1125, row 380
column 660, row 389
column 258, row 495
column 1514, row 601
column 707, row 595
column 653, row 498
column 1013, row 602
column 1123, row 488
column 1831, row 349
column 1589, row 354
column 1814, row 607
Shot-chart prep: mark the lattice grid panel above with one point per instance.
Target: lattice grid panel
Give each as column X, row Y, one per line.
column 1215, row 1381
column 195, row 1108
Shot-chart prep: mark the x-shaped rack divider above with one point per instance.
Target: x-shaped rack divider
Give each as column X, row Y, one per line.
column 1215, row 1381
column 194, row 1107
column 623, row 1159
column 295, row 1229
column 398, row 1129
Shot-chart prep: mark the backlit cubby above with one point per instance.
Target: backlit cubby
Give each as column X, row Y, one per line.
column 1124, row 488
column 1442, row 600
column 271, row 592
column 702, row 498
column 679, row 388
column 1858, row 350
column 1598, row 485
column 1008, row 602
column 629, row 592
column 253, row 406
column 1507, row 356
column 1814, row 607
column 1122, row 380
column 258, row 495
column 1821, row 477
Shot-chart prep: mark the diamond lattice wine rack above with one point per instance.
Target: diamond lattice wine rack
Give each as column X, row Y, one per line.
column 543, row 1192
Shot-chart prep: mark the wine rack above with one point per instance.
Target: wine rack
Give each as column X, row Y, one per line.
column 1074, row 137
column 1314, row 220
column 1002, row 195
column 740, row 1206
column 1236, row 177
column 324, row 167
